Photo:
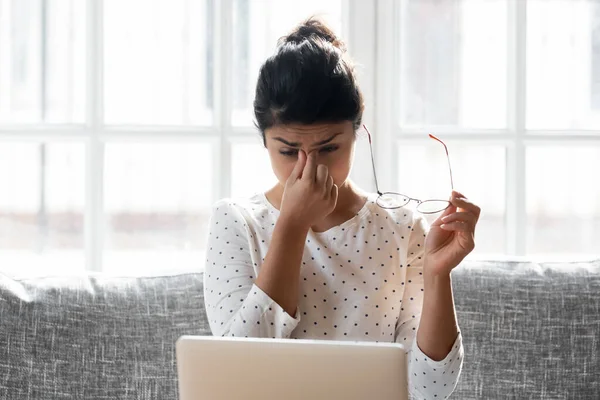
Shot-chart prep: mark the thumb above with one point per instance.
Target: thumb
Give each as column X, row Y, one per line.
column 334, row 194
column 299, row 167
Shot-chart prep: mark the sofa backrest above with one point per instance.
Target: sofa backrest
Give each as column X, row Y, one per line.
column 94, row 337
column 530, row 330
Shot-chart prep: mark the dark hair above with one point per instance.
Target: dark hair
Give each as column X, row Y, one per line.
column 309, row 79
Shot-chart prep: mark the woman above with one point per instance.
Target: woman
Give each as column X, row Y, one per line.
column 315, row 256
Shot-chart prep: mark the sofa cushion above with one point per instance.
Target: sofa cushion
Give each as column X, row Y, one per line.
column 95, row 337
column 530, row 330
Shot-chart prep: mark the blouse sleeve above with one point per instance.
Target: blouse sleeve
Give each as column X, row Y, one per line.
column 427, row 379
column 235, row 306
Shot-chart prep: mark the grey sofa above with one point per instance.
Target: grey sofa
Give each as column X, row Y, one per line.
column 531, row 331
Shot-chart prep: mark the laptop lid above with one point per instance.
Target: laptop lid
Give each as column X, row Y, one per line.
column 274, row 369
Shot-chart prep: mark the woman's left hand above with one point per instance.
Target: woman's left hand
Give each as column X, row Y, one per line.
column 451, row 236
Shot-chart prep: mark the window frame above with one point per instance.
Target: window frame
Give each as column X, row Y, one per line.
column 515, row 139
column 371, row 30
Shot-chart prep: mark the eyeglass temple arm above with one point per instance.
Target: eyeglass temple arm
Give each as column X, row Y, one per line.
column 372, row 159
column 448, row 157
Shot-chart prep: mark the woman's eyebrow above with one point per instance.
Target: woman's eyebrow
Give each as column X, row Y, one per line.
column 297, row 144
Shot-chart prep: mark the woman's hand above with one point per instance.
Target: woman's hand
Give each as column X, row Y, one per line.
column 309, row 194
column 451, row 236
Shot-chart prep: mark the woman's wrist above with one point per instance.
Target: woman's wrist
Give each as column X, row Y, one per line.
column 433, row 272
column 438, row 282
column 435, row 281
column 293, row 225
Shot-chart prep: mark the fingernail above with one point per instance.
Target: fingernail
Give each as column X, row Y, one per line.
column 445, row 218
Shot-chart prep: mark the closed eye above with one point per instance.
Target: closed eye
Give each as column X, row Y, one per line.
column 326, row 149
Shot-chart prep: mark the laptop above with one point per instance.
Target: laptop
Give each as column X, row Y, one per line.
column 211, row 368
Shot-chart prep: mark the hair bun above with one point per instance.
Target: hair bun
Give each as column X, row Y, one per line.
column 310, row 29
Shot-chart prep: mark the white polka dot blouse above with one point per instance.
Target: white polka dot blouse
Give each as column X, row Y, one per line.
column 361, row 281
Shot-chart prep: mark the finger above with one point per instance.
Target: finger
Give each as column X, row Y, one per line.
column 310, row 167
column 451, row 209
column 465, row 204
column 322, row 174
column 329, row 185
column 456, row 193
column 457, row 226
column 299, row 167
column 461, row 216
column 334, row 194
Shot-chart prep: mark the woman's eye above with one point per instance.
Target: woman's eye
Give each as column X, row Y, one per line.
column 329, row 149
column 289, row 153
column 293, row 153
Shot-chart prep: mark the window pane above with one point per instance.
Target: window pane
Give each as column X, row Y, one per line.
column 41, row 207
column 246, row 180
column 158, row 198
column 423, row 174
column 158, row 61
column 42, row 59
column 453, row 62
column 563, row 200
column 563, row 64
column 257, row 24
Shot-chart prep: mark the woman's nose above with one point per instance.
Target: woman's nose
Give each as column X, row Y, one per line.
column 318, row 158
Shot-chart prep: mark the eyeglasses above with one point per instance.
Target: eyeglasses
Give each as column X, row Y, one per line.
column 391, row 200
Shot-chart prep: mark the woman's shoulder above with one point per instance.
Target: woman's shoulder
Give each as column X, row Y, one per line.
column 239, row 202
column 249, row 207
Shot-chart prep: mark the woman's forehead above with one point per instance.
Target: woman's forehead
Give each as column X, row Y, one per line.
column 310, row 134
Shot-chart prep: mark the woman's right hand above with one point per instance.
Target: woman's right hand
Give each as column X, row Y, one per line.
column 309, row 194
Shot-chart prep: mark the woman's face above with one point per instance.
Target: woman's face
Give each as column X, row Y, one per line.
column 332, row 142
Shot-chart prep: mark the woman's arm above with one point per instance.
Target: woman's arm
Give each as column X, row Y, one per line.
column 438, row 328
column 431, row 374
column 279, row 275
column 239, row 303
column 309, row 195
column 234, row 304
column 450, row 238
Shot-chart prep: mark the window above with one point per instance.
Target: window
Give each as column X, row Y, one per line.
column 453, row 63
column 42, row 53
column 256, row 27
column 158, row 69
column 563, row 50
column 157, row 199
column 42, row 174
column 123, row 121
column 42, row 205
column 453, row 79
column 512, row 87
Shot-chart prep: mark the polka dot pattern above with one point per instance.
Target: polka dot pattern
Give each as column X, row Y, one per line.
column 361, row 280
